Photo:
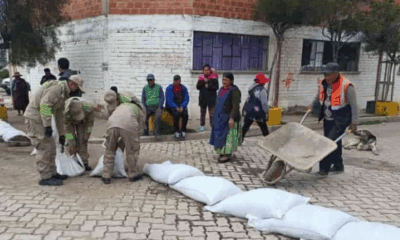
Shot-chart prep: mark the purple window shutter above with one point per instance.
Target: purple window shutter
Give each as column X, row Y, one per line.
column 245, row 42
column 245, row 59
column 254, row 63
column 197, row 58
column 197, row 39
column 226, row 63
column 227, row 45
column 236, row 46
column 206, row 60
column 217, row 58
column 236, row 63
column 207, row 44
column 217, row 40
column 261, row 54
column 254, row 48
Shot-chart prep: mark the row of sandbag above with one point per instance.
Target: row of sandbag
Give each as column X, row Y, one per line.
column 10, row 134
column 268, row 210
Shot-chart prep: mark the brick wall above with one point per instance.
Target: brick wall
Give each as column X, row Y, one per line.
column 150, row 7
column 239, row 9
column 79, row 9
column 121, row 50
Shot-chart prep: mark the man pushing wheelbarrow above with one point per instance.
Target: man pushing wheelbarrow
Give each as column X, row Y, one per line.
column 298, row 147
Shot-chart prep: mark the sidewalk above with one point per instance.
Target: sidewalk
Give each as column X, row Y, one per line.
column 100, row 126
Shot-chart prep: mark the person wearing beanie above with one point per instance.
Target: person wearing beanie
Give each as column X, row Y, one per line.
column 208, row 86
column 79, row 120
column 125, row 123
column 153, row 100
column 226, row 130
column 177, row 97
column 256, row 106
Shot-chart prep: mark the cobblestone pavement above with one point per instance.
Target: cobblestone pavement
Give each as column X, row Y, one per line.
column 84, row 208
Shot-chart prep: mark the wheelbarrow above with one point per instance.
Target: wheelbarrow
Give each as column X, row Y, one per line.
column 294, row 147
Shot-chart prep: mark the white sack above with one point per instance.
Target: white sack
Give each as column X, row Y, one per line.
column 305, row 221
column 119, row 170
column 208, row 190
column 71, row 166
column 169, row 173
column 34, row 152
column 9, row 133
column 367, row 231
column 261, row 203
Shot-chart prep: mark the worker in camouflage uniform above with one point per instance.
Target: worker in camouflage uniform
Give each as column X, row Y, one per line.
column 125, row 124
column 49, row 100
column 79, row 118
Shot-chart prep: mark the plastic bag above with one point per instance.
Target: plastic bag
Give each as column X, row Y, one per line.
column 119, row 170
column 71, row 166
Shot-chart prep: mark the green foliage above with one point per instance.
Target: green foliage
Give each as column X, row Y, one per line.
column 381, row 28
column 29, row 30
column 285, row 14
column 4, row 74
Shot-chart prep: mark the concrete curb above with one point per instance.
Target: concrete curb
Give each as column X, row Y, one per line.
column 253, row 132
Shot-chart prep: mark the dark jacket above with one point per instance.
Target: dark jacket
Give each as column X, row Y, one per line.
column 47, row 78
column 65, row 76
column 232, row 104
column 171, row 98
column 208, row 95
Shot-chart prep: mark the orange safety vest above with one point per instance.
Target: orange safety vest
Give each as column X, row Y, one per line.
column 338, row 97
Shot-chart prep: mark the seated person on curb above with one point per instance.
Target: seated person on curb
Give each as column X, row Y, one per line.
column 49, row 99
column 153, row 100
column 177, row 101
column 124, row 126
column 79, row 118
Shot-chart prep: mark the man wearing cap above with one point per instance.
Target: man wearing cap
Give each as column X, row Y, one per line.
column 153, row 101
column 338, row 108
column 49, row 100
column 79, row 119
column 256, row 106
column 65, row 73
column 124, row 126
column 177, row 97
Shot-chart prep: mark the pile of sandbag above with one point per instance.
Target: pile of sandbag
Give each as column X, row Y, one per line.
column 268, row 210
column 13, row 136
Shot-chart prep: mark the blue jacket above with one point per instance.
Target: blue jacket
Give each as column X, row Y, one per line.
column 170, row 95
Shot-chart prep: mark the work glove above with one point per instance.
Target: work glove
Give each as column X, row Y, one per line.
column 48, row 132
column 61, row 140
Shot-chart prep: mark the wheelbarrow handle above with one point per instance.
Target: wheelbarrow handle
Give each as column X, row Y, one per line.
column 305, row 115
column 343, row 135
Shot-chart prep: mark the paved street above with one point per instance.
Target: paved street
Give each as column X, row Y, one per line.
column 84, row 208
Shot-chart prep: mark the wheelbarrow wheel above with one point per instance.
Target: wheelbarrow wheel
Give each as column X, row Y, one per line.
column 275, row 173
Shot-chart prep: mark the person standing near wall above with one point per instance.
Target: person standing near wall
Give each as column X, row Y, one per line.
column 20, row 93
column 256, row 106
column 208, row 86
column 153, row 100
column 47, row 76
column 226, row 130
column 177, row 101
column 65, row 73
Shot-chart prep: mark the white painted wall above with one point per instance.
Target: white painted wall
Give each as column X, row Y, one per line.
column 133, row 46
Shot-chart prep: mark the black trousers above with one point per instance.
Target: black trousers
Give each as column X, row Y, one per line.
column 247, row 123
column 176, row 116
column 333, row 130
